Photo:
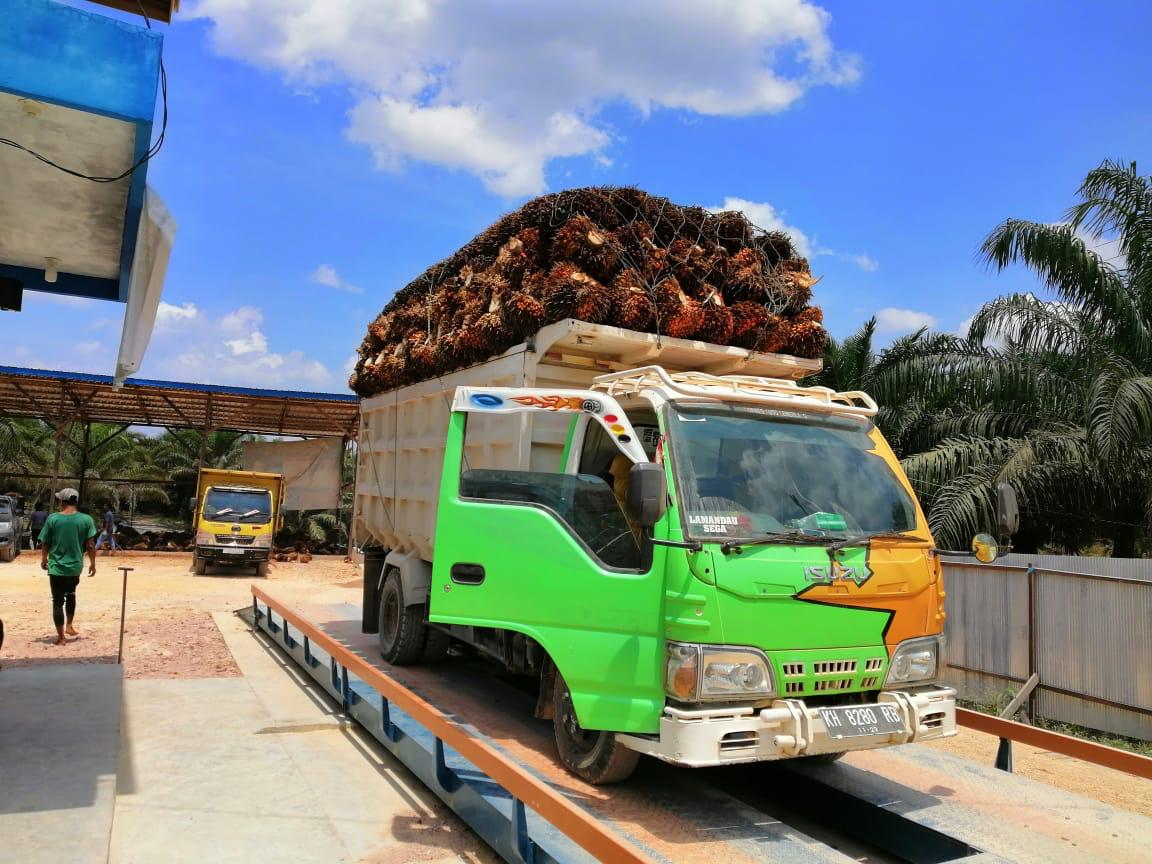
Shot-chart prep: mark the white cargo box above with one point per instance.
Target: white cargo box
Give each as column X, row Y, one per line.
column 403, row 431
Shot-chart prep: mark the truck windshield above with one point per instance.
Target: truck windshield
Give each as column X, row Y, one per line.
column 745, row 472
column 251, row 506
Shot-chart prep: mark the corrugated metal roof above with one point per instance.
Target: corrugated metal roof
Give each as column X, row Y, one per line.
column 51, row 395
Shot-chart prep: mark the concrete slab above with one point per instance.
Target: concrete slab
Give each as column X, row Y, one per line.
column 380, row 812
column 59, row 746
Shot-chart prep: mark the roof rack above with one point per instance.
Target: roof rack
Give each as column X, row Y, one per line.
column 738, row 388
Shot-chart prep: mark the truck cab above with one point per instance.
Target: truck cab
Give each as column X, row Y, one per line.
column 720, row 569
column 237, row 514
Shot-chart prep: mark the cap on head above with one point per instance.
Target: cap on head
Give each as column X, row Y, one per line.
column 68, row 495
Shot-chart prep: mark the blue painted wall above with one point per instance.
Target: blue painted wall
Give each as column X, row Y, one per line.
column 73, row 57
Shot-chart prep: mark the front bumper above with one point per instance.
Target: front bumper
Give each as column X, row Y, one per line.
column 232, row 554
column 787, row 728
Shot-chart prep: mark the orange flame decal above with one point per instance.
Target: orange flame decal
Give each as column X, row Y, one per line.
column 552, row 403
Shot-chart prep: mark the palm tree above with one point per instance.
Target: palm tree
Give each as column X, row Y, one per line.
column 1052, row 393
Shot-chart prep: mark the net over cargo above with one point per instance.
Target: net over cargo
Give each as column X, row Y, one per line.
column 603, row 255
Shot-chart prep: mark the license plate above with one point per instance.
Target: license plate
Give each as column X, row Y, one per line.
column 862, row 720
column 233, row 551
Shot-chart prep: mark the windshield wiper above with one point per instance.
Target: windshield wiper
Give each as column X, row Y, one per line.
column 777, row 538
column 861, row 539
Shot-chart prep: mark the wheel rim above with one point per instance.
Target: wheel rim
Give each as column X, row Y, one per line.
column 581, row 740
column 391, row 619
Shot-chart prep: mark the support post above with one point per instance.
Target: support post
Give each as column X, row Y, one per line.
column 1004, row 750
column 1031, row 573
column 123, row 605
column 84, row 451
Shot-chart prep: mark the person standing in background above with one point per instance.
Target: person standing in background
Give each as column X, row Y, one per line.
column 108, row 535
column 66, row 536
column 36, row 523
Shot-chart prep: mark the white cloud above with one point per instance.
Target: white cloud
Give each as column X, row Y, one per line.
column 170, row 316
column 965, row 326
column 329, row 278
column 231, row 349
column 500, row 88
column 90, row 346
column 766, row 216
column 254, row 342
column 892, row 320
column 242, row 320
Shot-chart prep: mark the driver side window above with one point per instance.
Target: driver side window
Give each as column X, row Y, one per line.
column 583, row 503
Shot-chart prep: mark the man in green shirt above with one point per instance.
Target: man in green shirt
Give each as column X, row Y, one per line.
column 64, row 539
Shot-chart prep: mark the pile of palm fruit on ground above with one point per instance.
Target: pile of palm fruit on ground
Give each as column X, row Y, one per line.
column 607, row 256
column 154, row 541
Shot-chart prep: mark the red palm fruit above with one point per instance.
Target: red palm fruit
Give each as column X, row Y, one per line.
column 530, row 238
column 523, row 313
column 571, row 237
column 654, row 265
column 796, row 282
column 635, row 308
column 807, row 339
column 811, row 313
column 718, row 321
column 512, row 259
column 381, row 328
column 748, row 322
column 560, row 291
column 593, row 300
column 677, row 314
column 775, row 335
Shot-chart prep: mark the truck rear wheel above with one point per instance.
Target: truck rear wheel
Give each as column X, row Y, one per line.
column 594, row 756
column 402, row 632
column 199, row 566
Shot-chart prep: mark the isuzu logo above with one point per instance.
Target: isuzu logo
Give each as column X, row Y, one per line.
column 826, row 574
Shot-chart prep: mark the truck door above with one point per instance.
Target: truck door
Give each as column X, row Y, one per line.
column 551, row 555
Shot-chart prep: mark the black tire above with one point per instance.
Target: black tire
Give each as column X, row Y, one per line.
column 595, row 757
column 436, row 644
column 402, row 632
column 199, row 566
column 262, row 569
column 6, row 554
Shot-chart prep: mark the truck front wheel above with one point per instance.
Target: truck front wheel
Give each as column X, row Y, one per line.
column 402, row 631
column 199, row 566
column 594, row 756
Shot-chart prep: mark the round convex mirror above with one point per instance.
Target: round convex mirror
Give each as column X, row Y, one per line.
column 985, row 548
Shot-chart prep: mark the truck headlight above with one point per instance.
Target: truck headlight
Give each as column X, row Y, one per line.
column 915, row 660
column 695, row 673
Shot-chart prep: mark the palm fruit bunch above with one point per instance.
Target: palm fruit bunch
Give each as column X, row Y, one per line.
column 605, row 255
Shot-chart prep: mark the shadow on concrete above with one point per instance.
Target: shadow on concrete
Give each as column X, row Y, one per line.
column 59, row 738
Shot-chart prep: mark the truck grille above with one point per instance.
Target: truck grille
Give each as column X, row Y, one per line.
column 831, row 676
column 234, row 540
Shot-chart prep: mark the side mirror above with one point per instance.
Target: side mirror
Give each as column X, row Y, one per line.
column 1007, row 510
column 985, row 548
column 647, row 493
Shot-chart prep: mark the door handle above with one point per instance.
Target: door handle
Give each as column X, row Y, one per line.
column 467, row 574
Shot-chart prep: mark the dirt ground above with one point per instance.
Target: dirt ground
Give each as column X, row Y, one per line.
column 169, row 633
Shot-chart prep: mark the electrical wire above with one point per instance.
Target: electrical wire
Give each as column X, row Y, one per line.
column 152, row 150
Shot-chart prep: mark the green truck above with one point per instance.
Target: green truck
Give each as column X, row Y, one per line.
column 696, row 557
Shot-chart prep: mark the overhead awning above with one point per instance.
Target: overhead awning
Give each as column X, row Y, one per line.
column 79, row 89
column 60, row 397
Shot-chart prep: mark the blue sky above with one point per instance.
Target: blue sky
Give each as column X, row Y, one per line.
column 321, row 153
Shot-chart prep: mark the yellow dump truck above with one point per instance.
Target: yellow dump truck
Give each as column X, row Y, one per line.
column 236, row 514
